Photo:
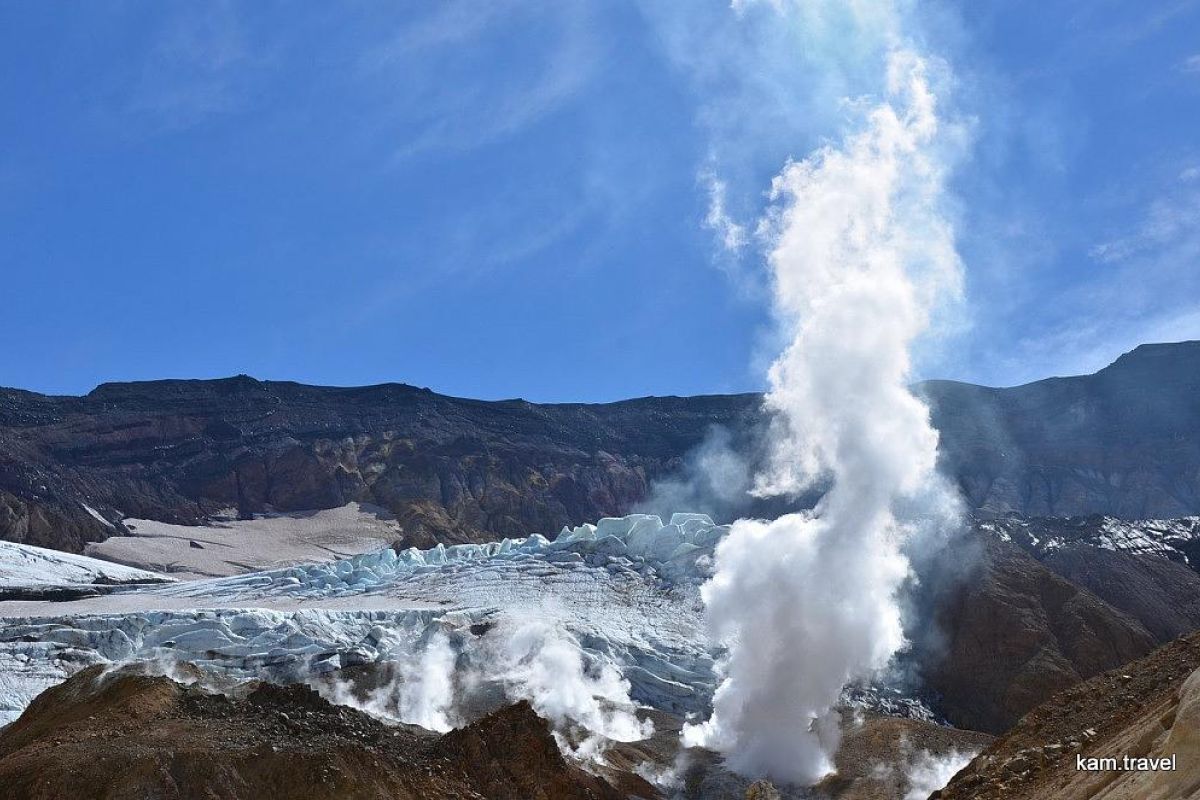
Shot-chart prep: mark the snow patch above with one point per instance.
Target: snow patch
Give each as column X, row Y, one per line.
column 97, row 515
column 26, row 566
column 233, row 546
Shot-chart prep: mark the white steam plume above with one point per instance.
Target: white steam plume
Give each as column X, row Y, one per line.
column 714, row 479
column 424, row 695
column 420, row 690
column 929, row 772
column 529, row 656
column 540, row 661
column 730, row 233
column 861, row 254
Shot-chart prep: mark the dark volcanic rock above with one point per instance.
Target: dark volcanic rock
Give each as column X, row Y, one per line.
column 1150, row 569
column 1162, row 595
column 1125, row 441
column 451, row 470
column 1012, row 633
column 502, row 760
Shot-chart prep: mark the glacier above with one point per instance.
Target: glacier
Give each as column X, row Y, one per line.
column 24, row 566
column 620, row 597
column 624, row 592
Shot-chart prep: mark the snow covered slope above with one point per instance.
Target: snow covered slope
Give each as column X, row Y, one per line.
column 1174, row 539
column 25, row 566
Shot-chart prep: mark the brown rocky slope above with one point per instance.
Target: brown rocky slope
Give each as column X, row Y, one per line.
column 451, row 470
column 126, row 734
column 1009, row 634
column 1148, row 708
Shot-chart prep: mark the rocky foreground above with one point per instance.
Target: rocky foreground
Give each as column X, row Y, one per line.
column 1146, row 709
column 125, row 734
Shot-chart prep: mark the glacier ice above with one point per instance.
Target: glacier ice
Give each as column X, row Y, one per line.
column 27, row 567
column 624, row 593
column 618, row 603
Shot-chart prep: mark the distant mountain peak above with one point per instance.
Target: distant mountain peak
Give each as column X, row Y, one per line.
column 1155, row 354
column 167, row 386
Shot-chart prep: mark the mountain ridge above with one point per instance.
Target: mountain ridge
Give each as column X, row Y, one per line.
column 1123, row 441
column 1138, row 354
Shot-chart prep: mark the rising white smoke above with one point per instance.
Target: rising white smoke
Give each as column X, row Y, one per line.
column 587, row 702
column 714, row 479
column 529, row 656
column 861, row 253
column 928, row 772
column 426, row 688
column 419, row 690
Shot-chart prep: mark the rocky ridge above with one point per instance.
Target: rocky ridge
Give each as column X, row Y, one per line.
column 125, row 734
column 1009, row 633
column 1124, row 442
column 1147, row 708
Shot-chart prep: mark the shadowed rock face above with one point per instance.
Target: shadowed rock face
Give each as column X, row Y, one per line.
column 1149, row 569
column 131, row 735
column 1162, row 595
column 1012, row 633
column 1125, row 441
column 451, row 470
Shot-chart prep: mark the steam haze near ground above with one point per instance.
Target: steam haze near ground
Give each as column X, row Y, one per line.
column 929, row 772
column 537, row 660
column 715, row 479
column 861, row 253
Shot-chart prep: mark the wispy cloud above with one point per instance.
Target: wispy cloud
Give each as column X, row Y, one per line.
column 731, row 235
column 1171, row 222
column 1144, row 288
column 200, row 64
column 442, row 88
column 1191, row 63
column 1089, row 344
column 493, row 235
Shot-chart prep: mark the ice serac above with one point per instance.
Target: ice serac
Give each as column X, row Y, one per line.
column 602, row 615
column 621, row 594
column 638, row 546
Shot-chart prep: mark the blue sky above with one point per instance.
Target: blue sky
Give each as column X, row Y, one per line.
column 509, row 198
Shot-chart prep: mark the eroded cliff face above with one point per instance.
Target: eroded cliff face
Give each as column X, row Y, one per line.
column 1125, row 441
column 451, row 470
column 1011, row 633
